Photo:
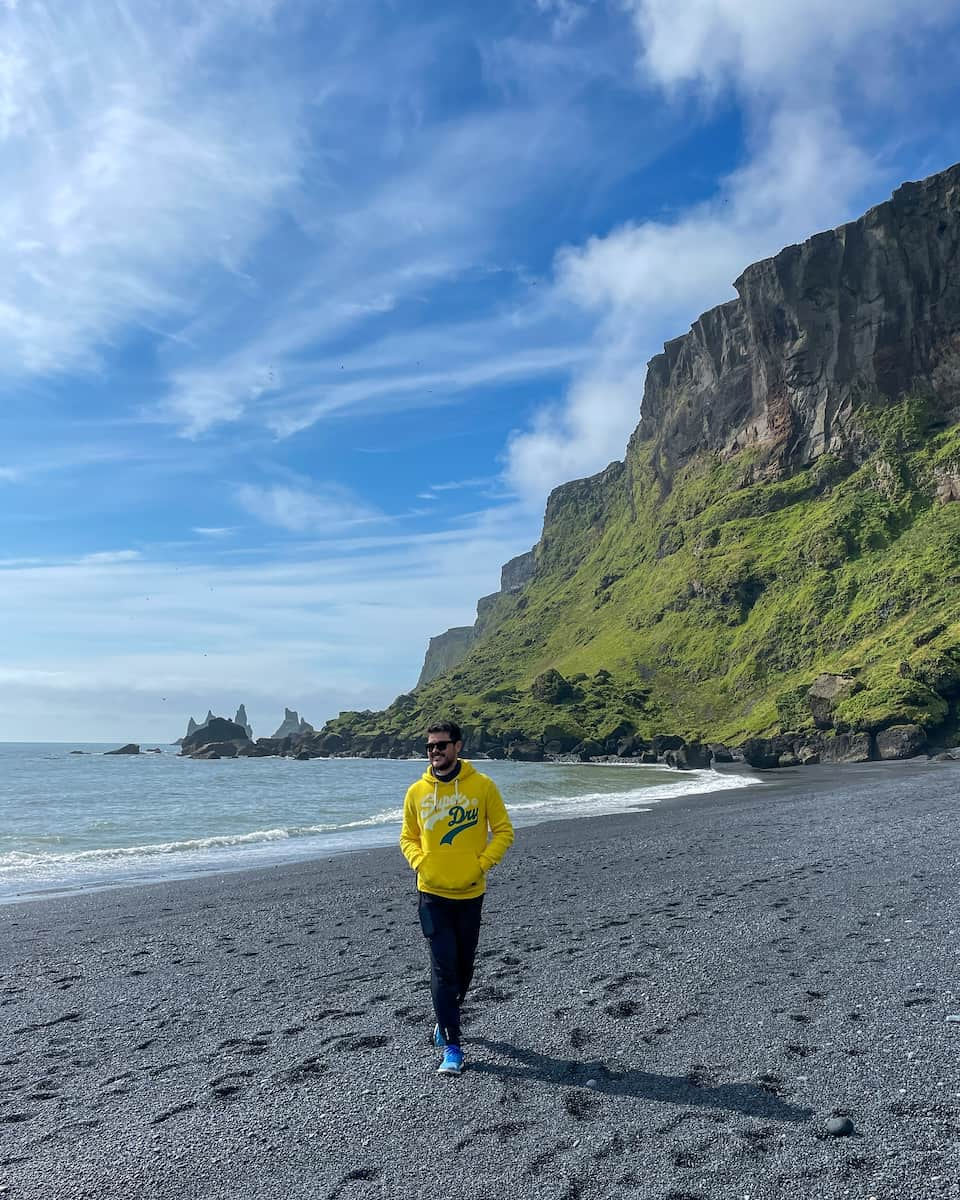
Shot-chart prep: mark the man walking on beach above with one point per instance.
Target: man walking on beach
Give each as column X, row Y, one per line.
column 455, row 828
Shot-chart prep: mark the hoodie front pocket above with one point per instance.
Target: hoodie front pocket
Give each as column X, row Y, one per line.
column 450, row 871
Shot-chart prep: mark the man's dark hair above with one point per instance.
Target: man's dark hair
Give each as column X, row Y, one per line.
column 448, row 727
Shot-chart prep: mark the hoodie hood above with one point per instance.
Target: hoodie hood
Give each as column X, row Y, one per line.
column 466, row 770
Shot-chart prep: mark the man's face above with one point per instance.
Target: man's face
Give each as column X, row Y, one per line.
column 441, row 752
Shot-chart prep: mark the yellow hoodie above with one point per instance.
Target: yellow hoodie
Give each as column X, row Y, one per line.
column 445, row 832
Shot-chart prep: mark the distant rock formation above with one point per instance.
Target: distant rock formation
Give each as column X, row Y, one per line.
column 292, row 723
column 217, row 732
column 129, row 748
column 241, row 719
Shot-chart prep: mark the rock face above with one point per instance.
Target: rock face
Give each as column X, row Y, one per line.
column 871, row 306
column 445, row 651
column 292, row 723
column 518, row 572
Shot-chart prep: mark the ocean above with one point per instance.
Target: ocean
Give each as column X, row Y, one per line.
column 73, row 822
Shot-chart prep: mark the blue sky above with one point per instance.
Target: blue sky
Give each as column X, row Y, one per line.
column 305, row 307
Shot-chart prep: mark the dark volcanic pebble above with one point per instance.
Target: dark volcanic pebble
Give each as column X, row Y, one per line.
column 660, row 1010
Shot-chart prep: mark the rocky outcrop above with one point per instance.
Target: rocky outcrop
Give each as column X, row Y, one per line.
column 292, row 723
column 517, row 573
column 870, row 308
column 217, row 732
column 129, row 748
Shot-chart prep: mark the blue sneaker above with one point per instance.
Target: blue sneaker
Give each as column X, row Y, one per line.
column 452, row 1061
column 439, row 1040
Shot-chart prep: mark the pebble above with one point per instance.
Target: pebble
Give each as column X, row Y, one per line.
column 839, row 1126
column 953, row 1018
column 592, row 1083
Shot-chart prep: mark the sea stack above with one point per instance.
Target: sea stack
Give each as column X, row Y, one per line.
column 292, row 723
column 241, row 719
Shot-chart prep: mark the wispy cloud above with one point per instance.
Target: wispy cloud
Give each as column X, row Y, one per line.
column 142, row 164
column 10, row 474
column 109, row 557
column 302, row 509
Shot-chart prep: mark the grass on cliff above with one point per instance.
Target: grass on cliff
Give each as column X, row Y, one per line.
column 708, row 608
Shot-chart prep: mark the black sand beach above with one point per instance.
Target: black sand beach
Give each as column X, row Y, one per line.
column 668, row 1004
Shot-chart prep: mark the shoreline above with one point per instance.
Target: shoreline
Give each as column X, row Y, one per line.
column 781, row 782
column 151, row 867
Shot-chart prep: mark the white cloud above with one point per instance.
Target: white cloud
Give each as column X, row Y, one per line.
column 10, row 474
column 664, row 270
column 138, row 165
column 301, row 509
column 775, row 48
column 213, row 531
column 109, row 557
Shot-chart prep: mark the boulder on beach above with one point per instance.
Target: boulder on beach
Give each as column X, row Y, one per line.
column 847, row 748
column 901, row 741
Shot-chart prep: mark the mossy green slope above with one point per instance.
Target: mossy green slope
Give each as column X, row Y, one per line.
column 707, row 607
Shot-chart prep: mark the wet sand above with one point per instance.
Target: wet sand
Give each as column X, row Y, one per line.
column 668, row 1004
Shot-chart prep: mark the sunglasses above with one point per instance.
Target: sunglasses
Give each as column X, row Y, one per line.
column 431, row 746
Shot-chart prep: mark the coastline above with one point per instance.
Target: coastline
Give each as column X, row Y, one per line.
column 729, row 970
column 333, row 806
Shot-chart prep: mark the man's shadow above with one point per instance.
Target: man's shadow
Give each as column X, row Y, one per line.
column 751, row 1099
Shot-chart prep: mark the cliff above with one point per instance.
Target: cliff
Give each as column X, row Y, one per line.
column 869, row 309
column 447, row 650
column 785, row 511
column 444, row 652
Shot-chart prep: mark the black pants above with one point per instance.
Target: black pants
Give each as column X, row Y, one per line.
column 452, row 927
